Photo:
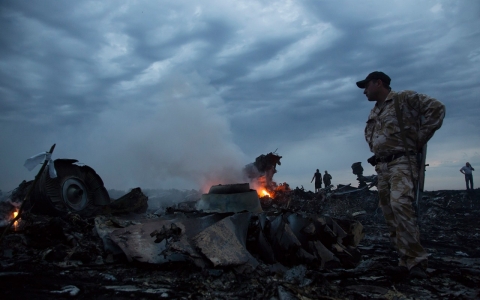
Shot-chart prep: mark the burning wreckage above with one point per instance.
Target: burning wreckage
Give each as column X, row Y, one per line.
column 232, row 242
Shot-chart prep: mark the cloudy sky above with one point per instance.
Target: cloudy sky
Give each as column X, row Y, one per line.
column 182, row 94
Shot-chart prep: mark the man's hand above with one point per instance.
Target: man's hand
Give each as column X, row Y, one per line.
column 372, row 160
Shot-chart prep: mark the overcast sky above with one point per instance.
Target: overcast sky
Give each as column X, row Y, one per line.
column 182, row 94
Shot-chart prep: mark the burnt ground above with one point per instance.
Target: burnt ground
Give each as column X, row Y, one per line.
column 63, row 258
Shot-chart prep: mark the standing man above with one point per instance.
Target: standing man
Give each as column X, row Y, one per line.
column 327, row 179
column 395, row 161
column 318, row 180
column 467, row 171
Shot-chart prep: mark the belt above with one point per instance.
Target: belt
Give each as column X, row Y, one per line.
column 389, row 158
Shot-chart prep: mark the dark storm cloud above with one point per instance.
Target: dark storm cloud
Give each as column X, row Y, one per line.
column 182, row 93
column 47, row 64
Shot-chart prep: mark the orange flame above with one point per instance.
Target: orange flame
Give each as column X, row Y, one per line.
column 263, row 192
column 15, row 214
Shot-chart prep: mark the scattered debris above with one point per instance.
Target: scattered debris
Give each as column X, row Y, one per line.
column 264, row 168
column 134, row 201
column 357, row 169
column 71, row 290
column 300, row 246
column 358, row 213
column 261, row 174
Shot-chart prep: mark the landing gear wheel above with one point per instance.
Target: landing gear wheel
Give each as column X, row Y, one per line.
column 74, row 193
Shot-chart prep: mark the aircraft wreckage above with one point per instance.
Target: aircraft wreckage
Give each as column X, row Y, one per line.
column 227, row 226
column 287, row 244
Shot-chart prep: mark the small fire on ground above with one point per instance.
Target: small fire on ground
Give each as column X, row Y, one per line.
column 15, row 224
column 262, row 192
column 263, row 187
column 273, row 192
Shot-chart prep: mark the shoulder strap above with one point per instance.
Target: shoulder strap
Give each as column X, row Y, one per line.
column 402, row 132
column 399, row 114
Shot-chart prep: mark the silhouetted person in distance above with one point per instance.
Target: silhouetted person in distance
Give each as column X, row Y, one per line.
column 318, row 180
column 327, row 179
column 467, row 171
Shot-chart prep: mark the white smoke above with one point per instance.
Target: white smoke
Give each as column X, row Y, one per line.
column 172, row 135
column 180, row 139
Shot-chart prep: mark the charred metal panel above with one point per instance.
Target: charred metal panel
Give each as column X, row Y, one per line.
column 138, row 244
column 229, row 188
column 224, row 243
column 134, row 201
column 230, row 198
column 291, row 239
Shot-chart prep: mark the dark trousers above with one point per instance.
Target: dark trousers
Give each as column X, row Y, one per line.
column 469, row 178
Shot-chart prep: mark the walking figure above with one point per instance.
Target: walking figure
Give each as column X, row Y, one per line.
column 318, row 180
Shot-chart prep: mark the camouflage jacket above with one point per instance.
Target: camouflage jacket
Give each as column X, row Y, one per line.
column 422, row 116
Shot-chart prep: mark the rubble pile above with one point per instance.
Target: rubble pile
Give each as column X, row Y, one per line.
column 302, row 246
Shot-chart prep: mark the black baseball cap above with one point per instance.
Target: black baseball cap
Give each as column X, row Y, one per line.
column 374, row 75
